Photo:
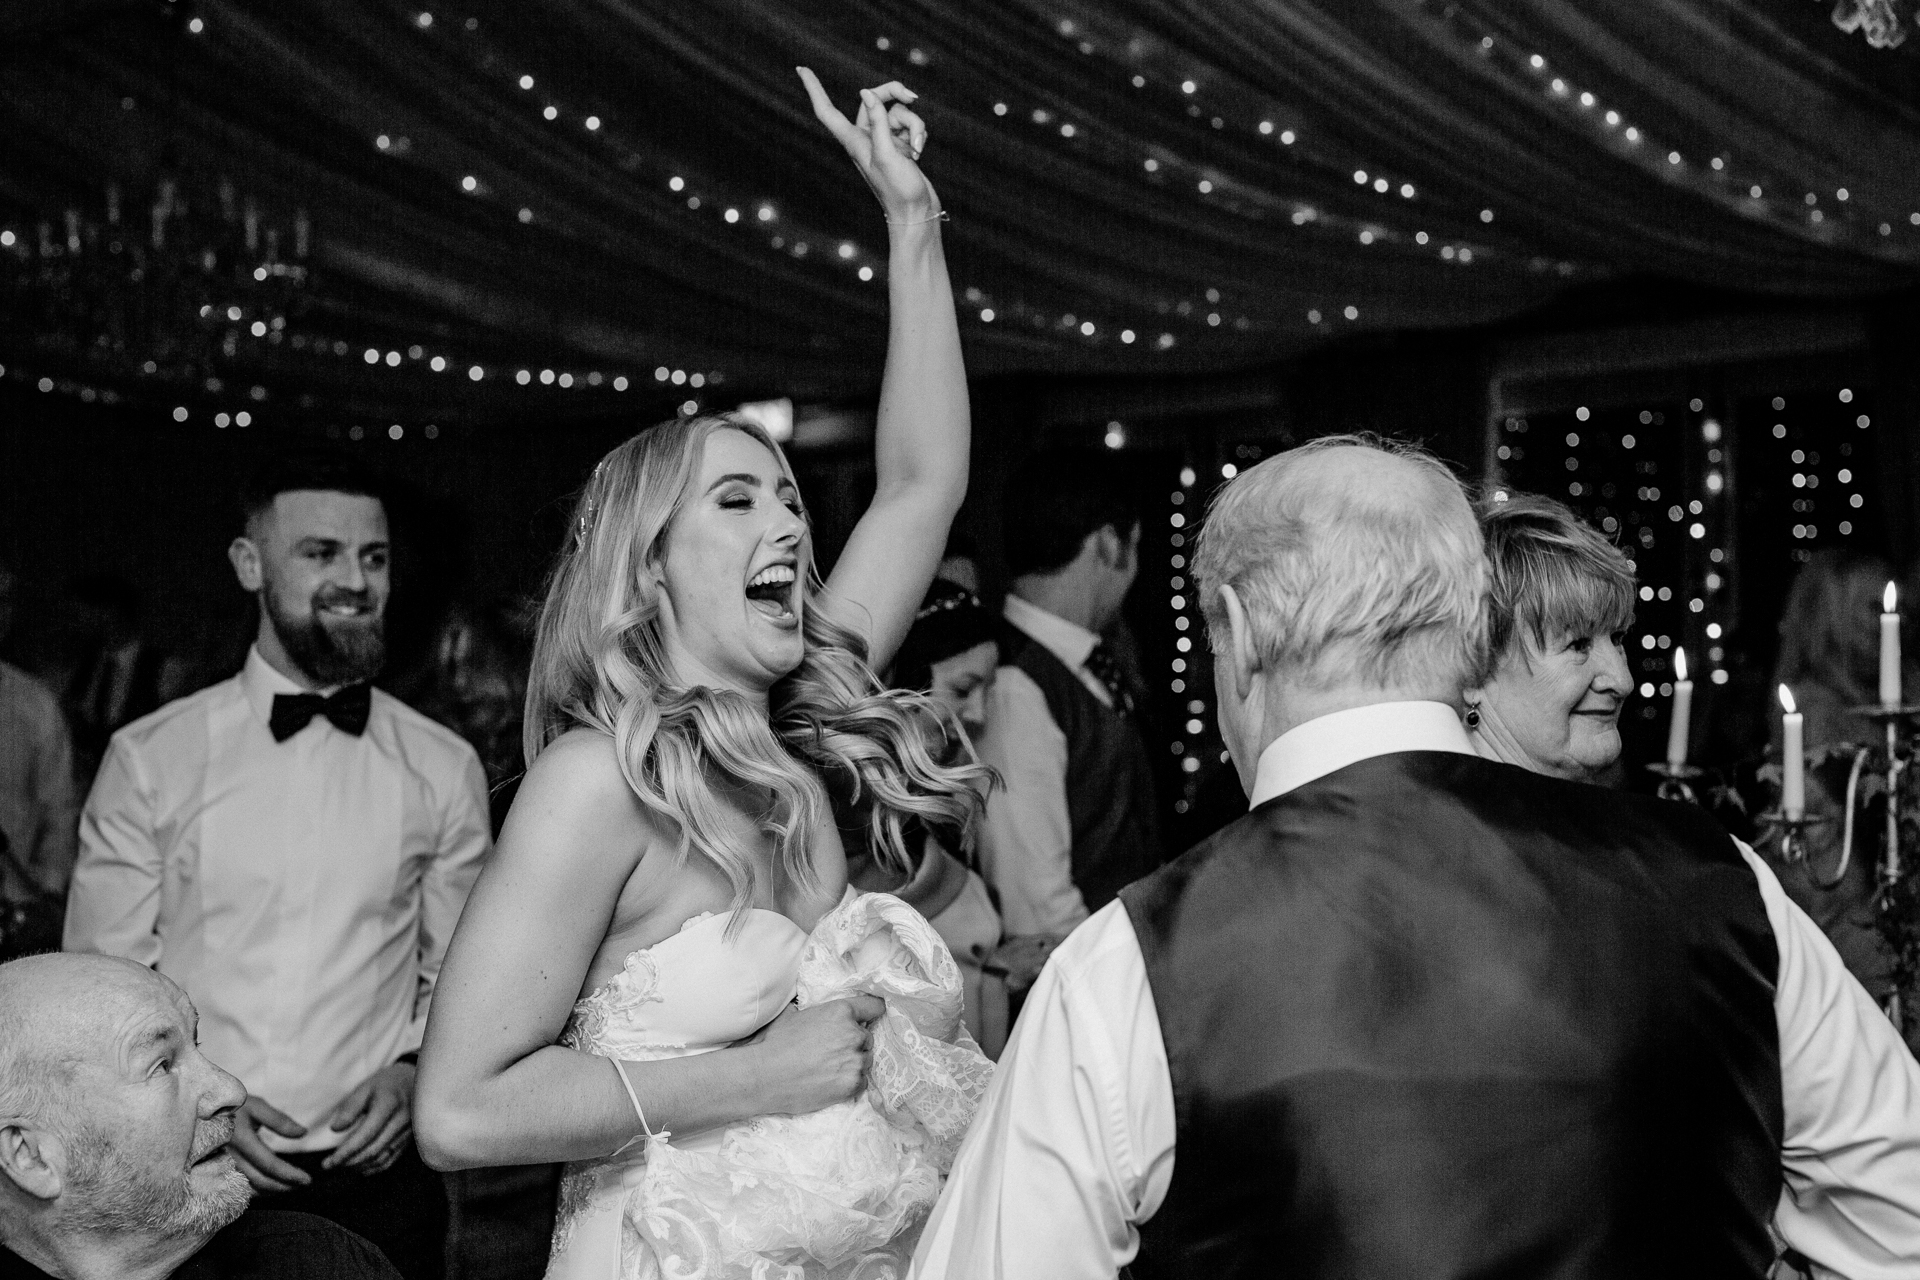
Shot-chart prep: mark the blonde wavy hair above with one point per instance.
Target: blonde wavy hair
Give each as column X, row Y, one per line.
column 600, row 662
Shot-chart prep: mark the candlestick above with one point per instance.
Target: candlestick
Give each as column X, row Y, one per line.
column 1889, row 650
column 1793, row 759
column 1682, row 711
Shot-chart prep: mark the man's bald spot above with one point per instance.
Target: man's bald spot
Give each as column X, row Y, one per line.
column 1356, row 480
column 58, row 1011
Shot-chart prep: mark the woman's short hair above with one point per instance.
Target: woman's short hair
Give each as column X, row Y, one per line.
column 1551, row 572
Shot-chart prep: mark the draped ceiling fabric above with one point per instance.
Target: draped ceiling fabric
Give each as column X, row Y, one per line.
column 1225, row 182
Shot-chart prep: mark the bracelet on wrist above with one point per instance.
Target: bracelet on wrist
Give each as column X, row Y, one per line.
column 939, row 216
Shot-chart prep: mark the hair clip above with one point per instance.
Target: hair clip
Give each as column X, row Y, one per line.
column 584, row 525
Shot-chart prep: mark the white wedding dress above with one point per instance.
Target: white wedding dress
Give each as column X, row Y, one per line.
column 840, row 1194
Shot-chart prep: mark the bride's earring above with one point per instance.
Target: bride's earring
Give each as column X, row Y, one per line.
column 1473, row 715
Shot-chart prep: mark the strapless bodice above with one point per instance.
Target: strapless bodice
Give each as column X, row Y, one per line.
column 704, row 987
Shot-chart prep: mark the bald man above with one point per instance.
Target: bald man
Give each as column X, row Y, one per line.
column 114, row 1132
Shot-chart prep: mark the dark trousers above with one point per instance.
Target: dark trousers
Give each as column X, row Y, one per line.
column 401, row 1211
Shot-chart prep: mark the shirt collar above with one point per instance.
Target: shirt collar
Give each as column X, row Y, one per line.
column 260, row 683
column 1330, row 742
column 1067, row 641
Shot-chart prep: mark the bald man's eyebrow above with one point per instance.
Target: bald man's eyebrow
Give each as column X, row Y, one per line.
column 158, row 1037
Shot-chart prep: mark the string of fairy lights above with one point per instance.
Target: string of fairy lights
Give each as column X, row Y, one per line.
column 1664, row 482
column 1388, row 210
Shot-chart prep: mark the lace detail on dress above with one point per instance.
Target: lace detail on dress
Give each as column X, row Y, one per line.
column 576, row 1193
column 840, row 1194
column 637, row 984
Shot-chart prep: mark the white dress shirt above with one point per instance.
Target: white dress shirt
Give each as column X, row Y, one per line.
column 301, row 892
column 1026, row 839
column 1073, row 1147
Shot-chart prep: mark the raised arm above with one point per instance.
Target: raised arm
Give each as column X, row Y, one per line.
column 494, row 1088
column 921, row 437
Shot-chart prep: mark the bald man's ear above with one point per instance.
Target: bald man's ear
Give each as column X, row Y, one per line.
column 244, row 555
column 33, row 1160
column 1240, row 653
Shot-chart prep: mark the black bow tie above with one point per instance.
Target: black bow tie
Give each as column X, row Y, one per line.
column 348, row 708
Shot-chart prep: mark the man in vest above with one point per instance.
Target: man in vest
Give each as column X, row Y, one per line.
column 1074, row 819
column 1419, row 1014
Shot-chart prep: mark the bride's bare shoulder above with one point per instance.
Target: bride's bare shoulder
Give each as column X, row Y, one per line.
column 577, row 779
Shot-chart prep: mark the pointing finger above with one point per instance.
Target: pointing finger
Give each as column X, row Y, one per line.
column 828, row 114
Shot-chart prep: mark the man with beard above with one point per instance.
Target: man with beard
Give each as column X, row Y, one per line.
column 293, row 848
column 114, row 1141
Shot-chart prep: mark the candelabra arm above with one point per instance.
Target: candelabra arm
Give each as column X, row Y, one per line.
column 1860, row 759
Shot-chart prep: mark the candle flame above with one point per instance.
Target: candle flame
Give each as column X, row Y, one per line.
column 1888, row 599
column 1786, row 700
column 1679, row 664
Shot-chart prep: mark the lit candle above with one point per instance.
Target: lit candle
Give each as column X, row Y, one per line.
column 1793, row 759
column 1889, row 649
column 1682, row 711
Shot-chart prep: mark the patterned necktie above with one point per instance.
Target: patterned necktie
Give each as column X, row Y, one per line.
column 1101, row 662
column 347, row 708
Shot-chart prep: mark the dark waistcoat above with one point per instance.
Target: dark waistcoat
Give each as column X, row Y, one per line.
column 1110, row 805
column 1432, row 1018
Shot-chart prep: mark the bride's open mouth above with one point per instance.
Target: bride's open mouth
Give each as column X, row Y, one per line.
column 771, row 591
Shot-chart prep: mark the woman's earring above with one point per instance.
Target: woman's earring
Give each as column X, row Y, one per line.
column 1473, row 715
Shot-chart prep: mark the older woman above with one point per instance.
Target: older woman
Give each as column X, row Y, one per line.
column 1561, row 600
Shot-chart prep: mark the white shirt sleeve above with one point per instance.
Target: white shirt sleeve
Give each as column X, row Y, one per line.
column 1850, row 1150
column 466, row 837
column 1026, row 840
column 1073, row 1145
column 113, row 905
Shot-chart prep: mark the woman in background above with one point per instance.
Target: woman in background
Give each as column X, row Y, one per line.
column 1559, row 603
column 1830, row 659
column 950, row 655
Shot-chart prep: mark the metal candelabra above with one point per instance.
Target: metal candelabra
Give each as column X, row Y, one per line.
column 1894, row 867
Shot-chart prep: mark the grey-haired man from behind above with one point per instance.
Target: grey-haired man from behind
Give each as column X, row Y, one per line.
column 1420, row 1014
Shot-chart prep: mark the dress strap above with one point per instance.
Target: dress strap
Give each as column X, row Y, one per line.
column 646, row 1131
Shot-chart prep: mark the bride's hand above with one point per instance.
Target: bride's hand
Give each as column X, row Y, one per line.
column 816, row 1057
column 885, row 140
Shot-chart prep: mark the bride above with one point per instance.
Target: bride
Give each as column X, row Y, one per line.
column 698, row 702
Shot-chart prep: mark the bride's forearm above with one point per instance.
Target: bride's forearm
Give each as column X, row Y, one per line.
column 557, row 1104
column 922, row 428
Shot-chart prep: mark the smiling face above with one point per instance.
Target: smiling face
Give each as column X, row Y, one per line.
column 733, row 575
column 961, row 683
column 319, row 563
column 1557, row 706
